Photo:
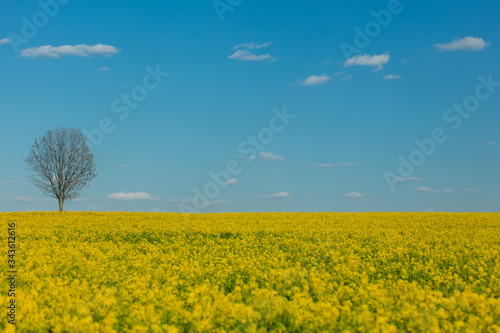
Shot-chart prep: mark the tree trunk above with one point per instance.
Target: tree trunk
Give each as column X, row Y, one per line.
column 61, row 203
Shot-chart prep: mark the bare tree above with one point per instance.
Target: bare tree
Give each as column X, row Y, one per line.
column 61, row 164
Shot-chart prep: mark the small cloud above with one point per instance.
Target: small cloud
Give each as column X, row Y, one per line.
column 103, row 69
column 471, row 190
column 404, row 61
column 4, row 41
column 8, row 182
column 448, row 190
column 49, row 51
column 391, row 77
column 408, row 179
column 376, row 61
column 231, row 181
column 117, row 150
column 353, row 195
column 346, row 77
column 4, row 195
column 373, row 196
column 130, row 196
column 422, row 189
column 493, row 144
column 251, row 46
column 244, row 54
column 124, row 166
column 425, row 189
column 326, row 62
column 276, row 195
column 337, row 74
column 270, row 157
column 467, row 43
column 156, row 210
column 315, row 80
column 28, row 199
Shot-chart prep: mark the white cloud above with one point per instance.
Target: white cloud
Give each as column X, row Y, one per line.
column 231, row 181
column 4, row 41
column 471, row 190
column 82, row 50
column 4, row 195
column 270, row 157
column 315, row 80
column 346, row 77
column 493, row 144
column 425, row 189
column 326, row 62
column 124, row 166
column 448, row 190
column 130, row 196
column 244, row 54
column 376, row 61
column 8, row 182
column 276, row 195
column 252, row 46
column 408, row 179
column 28, row 199
column 353, row 195
column 467, row 43
column 391, row 77
column 103, row 69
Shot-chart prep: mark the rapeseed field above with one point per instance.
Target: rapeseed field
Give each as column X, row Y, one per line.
column 254, row 272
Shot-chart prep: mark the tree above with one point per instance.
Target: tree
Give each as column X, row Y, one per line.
column 61, row 164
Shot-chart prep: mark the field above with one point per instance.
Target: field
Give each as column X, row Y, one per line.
column 265, row 272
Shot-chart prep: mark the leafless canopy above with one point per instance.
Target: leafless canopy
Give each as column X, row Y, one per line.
column 61, row 164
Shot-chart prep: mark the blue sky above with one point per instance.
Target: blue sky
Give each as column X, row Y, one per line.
column 339, row 92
